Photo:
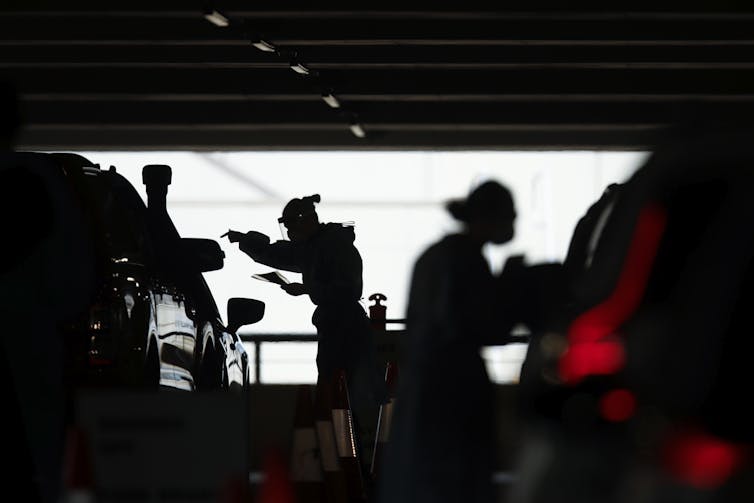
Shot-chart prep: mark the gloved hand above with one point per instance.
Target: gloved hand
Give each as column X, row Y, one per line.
column 233, row 236
column 252, row 237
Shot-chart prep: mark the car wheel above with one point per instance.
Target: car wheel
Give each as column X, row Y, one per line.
column 133, row 344
column 224, row 374
column 152, row 366
column 209, row 377
column 245, row 370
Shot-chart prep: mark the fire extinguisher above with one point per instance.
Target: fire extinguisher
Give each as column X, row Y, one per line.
column 377, row 311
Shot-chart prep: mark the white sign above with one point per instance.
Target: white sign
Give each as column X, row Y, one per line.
column 165, row 446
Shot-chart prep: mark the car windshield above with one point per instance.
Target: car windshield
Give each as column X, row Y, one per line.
column 120, row 215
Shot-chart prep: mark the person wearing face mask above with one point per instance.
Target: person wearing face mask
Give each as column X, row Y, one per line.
column 442, row 440
column 331, row 269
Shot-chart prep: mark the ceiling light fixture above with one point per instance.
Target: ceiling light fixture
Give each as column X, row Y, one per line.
column 299, row 68
column 331, row 100
column 263, row 45
column 216, row 18
column 357, row 130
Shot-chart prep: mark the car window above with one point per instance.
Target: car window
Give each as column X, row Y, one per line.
column 121, row 215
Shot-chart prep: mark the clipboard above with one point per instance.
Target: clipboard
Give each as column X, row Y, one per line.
column 272, row 277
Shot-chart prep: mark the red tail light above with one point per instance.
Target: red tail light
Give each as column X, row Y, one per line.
column 590, row 351
column 701, row 460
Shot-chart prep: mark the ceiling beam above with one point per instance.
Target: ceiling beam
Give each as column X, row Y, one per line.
column 595, row 82
column 139, row 30
column 202, row 140
column 316, row 115
column 370, row 7
column 432, row 57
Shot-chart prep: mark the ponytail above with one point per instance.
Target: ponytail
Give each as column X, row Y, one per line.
column 311, row 199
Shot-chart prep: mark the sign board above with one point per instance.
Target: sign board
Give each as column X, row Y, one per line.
column 387, row 346
column 165, row 446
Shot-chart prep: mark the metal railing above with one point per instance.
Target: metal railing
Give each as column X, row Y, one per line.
column 257, row 339
column 386, row 342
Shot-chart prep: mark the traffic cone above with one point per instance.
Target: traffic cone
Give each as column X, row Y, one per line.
column 345, row 439
column 335, row 482
column 306, row 468
column 78, row 474
column 385, row 418
column 276, row 487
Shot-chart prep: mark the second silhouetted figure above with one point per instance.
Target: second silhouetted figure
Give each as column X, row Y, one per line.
column 442, row 443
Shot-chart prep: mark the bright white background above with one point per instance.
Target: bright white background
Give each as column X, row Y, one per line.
column 397, row 201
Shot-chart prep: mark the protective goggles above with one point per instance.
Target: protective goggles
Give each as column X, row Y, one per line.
column 285, row 222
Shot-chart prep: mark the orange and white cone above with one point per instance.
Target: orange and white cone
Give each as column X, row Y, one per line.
column 335, row 483
column 306, row 468
column 385, row 418
column 345, row 439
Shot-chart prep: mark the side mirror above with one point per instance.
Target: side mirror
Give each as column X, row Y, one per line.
column 202, row 255
column 156, row 174
column 244, row 312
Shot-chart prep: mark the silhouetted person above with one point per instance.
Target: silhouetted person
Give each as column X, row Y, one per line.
column 41, row 289
column 15, row 184
column 442, row 443
column 331, row 268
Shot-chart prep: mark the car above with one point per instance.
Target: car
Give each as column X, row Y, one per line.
column 145, row 317
column 221, row 360
column 642, row 376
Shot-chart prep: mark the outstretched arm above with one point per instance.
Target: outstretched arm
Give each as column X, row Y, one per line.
column 280, row 255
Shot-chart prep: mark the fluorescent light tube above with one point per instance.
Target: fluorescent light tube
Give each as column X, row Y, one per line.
column 331, row 100
column 357, row 130
column 263, row 45
column 299, row 68
column 216, row 18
